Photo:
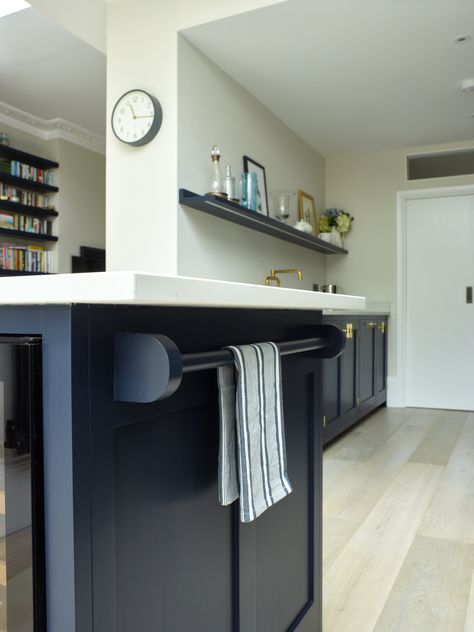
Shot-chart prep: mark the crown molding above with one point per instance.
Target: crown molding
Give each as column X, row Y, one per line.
column 52, row 128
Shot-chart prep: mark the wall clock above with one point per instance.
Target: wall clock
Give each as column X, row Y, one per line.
column 136, row 117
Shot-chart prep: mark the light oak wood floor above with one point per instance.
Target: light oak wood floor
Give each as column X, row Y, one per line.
column 399, row 524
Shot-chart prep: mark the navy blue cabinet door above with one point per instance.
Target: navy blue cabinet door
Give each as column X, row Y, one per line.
column 165, row 555
column 381, row 361
column 367, row 332
column 356, row 382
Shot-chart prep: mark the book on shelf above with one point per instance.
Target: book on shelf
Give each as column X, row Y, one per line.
column 26, row 258
column 9, row 220
column 27, row 172
column 28, row 198
column 25, row 223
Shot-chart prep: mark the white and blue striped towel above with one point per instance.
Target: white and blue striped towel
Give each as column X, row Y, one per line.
column 252, row 452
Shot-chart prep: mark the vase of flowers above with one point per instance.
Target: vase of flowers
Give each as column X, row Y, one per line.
column 337, row 222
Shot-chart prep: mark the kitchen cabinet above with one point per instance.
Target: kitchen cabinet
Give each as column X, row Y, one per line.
column 135, row 534
column 355, row 383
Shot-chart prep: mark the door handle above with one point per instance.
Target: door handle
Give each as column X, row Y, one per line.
column 469, row 294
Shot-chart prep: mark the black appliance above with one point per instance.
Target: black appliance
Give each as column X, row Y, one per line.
column 22, row 562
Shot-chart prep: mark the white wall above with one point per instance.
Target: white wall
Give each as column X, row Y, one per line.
column 214, row 109
column 143, row 182
column 81, row 198
column 81, row 201
column 366, row 185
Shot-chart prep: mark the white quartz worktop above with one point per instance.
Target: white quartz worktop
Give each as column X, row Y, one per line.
column 136, row 288
column 372, row 308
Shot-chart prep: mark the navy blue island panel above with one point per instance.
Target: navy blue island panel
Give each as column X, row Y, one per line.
column 135, row 537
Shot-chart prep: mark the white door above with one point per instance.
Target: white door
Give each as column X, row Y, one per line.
column 440, row 323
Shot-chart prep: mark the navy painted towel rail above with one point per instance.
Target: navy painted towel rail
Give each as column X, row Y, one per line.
column 149, row 367
column 223, row 357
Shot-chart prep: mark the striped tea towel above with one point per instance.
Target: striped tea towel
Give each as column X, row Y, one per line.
column 252, row 453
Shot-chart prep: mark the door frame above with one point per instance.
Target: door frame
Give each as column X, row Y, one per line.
column 398, row 386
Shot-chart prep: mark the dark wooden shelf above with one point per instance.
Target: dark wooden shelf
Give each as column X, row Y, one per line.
column 26, row 235
column 237, row 214
column 5, row 273
column 28, row 159
column 24, row 209
column 30, row 185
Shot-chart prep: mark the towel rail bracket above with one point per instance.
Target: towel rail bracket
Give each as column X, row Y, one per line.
column 147, row 367
column 150, row 367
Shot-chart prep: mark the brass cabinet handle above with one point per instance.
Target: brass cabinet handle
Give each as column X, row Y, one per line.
column 382, row 327
column 349, row 331
column 372, row 324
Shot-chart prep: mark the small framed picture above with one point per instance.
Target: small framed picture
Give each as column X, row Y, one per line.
column 307, row 210
column 250, row 166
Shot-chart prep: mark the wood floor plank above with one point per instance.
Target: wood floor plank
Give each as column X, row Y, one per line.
column 439, row 443
column 451, row 511
column 469, row 621
column 357, row 584
column 366, row 438
column 336, row 471
column 353, row 497
column 336, row 534
column 432, row 588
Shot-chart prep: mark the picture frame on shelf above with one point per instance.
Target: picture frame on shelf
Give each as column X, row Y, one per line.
column 307, row 210
column 251, row 166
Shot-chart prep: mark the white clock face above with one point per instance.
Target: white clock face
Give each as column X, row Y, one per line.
column 134, row 118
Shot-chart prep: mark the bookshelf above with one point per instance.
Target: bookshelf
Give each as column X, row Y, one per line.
column 26, row 213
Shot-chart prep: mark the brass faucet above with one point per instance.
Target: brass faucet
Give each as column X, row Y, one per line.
column 273, row 275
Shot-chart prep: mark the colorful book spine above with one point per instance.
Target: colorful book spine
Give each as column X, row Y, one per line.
column 25, row 259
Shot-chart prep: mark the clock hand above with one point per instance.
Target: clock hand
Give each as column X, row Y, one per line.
column 133, row 113
column 144, row 116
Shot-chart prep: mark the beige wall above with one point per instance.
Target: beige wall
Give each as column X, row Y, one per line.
column 81, row 198
column 214, row 109
column 366, row 185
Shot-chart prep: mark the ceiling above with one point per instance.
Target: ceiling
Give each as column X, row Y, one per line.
column 354, row 75
column 346, row 75
column 48, row 72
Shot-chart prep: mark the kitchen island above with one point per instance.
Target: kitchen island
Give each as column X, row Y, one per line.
column 135, row 538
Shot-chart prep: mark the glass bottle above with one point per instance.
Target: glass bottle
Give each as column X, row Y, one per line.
column 252, row 192
column 243, row 188
column 217, row 181
column 229, row 183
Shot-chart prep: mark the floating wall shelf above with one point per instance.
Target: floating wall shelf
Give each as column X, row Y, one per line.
column 26, row 235
column 237, row 214
column 30, row 185
column 15, row 273
column 25, row 209
column 28, row 159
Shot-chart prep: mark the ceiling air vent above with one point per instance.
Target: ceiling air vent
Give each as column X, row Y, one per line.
column 443, row 164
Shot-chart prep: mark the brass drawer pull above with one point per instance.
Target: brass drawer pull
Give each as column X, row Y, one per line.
column 349, row 331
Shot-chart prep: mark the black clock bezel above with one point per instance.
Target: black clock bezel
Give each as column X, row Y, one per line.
column 155, row 126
